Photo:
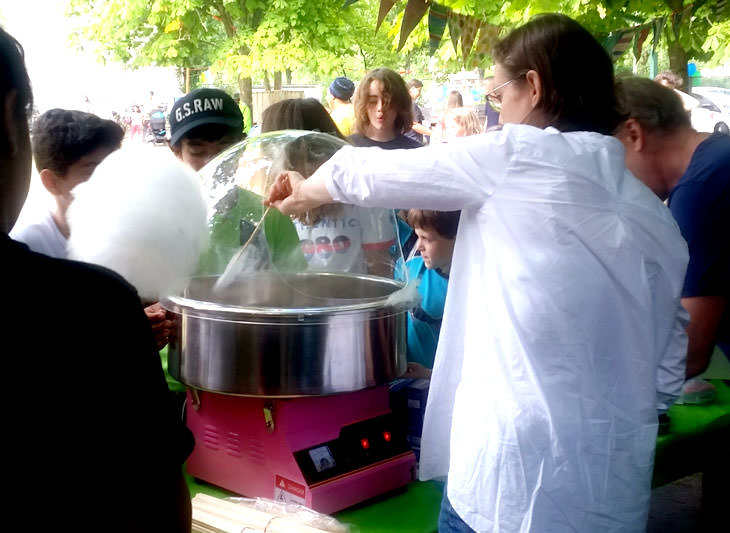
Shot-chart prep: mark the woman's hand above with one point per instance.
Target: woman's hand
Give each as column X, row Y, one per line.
column 285, row 192
column 292, row 194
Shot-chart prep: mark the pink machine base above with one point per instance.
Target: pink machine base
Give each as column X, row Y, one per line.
column 325, row 452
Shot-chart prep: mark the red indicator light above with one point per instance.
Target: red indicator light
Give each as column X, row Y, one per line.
column 386, row 436
column 365, row 443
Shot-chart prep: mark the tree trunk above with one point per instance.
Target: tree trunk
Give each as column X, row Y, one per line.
column 678, row 62
column 267, row 82
column 277, row 80
column 288, row 76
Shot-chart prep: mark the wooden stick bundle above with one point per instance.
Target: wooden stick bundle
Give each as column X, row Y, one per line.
column 214, row 515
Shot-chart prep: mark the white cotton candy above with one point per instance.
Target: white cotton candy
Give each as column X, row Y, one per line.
column 143, row 215
column 408, row 296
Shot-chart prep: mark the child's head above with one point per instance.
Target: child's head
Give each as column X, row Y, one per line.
column 461, row 122
column 414, row 88
column 436, row 232
column 67, row 147
column 454, row 100
column 298, row 114
column 382, row 102
column 203, row 123
column 341, row 88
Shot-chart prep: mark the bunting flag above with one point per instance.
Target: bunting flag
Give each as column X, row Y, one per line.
column 617, row 42
column 488, row 37
column 639, row 38
column 469, row 28
column 722, row 10
column 454, row 31
column 385, row 7
column 438, row 16
column 677, row 18
column 658, row 28
column 415, row 9
column 464, row 28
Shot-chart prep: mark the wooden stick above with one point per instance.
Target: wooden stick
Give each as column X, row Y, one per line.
column 225, row 279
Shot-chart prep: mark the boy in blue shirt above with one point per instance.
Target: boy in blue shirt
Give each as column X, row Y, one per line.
column 429, row 262
column 436, row 232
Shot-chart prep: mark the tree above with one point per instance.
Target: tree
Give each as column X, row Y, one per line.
column 696, row 30
column 244, row 38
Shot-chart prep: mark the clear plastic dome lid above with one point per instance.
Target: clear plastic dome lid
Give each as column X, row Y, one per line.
column 247, row 238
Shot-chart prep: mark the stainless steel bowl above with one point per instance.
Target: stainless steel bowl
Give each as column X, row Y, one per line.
column 281, row 335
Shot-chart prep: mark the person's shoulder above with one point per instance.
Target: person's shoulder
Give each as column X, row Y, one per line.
column 92, row 278
column 41, row 235
column 715, row 148
column 568, row 147
column 358, row 139
column 404, row 142
column 709, row 166
column 29, row 230
column 343, row 111
column 76, row 275
column 59, row 275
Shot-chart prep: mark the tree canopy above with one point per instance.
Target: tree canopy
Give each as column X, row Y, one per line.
column 318, row 39
column 689, row 30
column 245, row 38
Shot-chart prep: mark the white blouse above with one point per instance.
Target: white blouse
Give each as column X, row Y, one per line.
column 563, row 333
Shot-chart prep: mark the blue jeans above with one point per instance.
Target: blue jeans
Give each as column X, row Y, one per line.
column 449, row 521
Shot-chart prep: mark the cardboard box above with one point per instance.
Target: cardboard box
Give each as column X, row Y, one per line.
column 408, row 403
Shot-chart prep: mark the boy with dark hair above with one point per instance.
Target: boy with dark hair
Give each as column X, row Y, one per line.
column 67, row 147
column 203, row 123
column 383, row 111
column 436, row 232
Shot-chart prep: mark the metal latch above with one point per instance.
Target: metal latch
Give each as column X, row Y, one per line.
column 269, row 416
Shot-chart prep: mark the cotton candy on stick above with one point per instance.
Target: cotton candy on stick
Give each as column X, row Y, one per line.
column 142, row 214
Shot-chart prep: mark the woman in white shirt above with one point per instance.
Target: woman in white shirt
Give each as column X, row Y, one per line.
column 562, row 335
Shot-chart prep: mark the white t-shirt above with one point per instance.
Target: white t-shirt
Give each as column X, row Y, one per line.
column 41, row 235
column 338, row 243
column 563, row 331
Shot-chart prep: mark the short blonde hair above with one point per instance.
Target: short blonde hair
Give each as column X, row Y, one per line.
column 467, row 119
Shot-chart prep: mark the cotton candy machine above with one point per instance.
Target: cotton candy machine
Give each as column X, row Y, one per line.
column 288, row 364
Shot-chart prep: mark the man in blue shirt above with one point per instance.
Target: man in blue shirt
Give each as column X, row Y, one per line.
column 692, row 171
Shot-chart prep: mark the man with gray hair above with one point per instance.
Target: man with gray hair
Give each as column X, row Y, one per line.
column 690, row 170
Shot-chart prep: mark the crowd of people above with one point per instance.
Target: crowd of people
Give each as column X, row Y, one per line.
column 571, row 250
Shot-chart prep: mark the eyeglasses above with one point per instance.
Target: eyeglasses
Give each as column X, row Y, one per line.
column 495, row 100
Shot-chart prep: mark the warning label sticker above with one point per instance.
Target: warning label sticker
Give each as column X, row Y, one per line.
column 288, row 491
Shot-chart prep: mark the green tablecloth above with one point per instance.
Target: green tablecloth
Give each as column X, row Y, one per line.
column 172, row 384
column 414, row 508
column 686, row 449
column 694, row 437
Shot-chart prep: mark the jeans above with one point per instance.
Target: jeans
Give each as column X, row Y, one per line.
column 449, row 521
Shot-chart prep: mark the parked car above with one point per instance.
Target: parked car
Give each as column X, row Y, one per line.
column 713, row 111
